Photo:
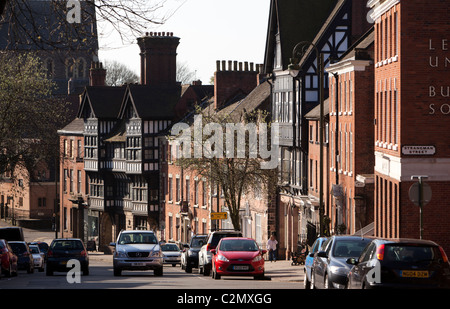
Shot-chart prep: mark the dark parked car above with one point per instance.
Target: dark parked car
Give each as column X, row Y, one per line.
column 64, row 249
column 11, row 233
column 43, row 246
column 310, row 258
column 189, row 257
column 330, row 267
column 400, row 263
column 8, row 260
column 24, row 256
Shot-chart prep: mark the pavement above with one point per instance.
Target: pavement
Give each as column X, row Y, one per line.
column 281, row 270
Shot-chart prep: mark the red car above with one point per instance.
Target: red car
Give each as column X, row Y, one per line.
column 237, row 256
column 8, row 260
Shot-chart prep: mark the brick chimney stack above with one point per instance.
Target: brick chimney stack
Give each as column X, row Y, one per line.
column 228, row 81
column 158, row 58
column 97, row 74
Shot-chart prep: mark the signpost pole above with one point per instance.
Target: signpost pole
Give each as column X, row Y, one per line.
column 420, row 201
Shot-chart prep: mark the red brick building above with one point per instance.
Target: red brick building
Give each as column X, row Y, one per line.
column 412, row 86
column 188, row 198
column 351, row 160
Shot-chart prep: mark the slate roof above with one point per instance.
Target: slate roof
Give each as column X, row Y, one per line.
column 297, row 20
column 314, row 114
column 73, row 128
column 257, row 99
column 152, row 102
column 105, row 101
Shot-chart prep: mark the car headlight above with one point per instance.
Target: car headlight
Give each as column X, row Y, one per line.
column 257, row 258
column 220, row 257
column 338, row 270
column 155, row 254
column 121, row 254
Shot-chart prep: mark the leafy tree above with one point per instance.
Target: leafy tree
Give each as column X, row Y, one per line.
column 29, row 114
column 235, row 174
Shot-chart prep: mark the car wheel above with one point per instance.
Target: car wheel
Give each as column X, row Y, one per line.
column 30, row 269
column 312, row 284
column 259, row 277
column 86, row 272
column 49, row 271
column 8, row 273
column 117, row 271
column 326, row 283
column 188, row 269
column 206, row 271
column 215, row 275
column 159, row 271
column 306, row 282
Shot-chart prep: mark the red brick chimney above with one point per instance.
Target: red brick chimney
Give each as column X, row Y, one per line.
column 158, row 58
column 97, row 74
column 229, row 81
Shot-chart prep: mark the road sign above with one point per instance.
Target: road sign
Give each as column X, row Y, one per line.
column 414, row 193
column 219, row 216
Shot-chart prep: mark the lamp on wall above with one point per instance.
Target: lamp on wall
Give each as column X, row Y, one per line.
column 300, row 49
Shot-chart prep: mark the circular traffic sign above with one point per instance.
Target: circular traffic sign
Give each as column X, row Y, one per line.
column 414, row 193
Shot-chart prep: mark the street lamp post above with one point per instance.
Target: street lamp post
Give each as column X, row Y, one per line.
column 294, row 69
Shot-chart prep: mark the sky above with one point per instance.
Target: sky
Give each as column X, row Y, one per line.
column 209, row 30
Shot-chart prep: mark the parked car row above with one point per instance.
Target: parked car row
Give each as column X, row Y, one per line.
column 19, row 255
column 355, row 262
column 224, row 253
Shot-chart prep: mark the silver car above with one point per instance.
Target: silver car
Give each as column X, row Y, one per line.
column 38, row 257
column 137, row 250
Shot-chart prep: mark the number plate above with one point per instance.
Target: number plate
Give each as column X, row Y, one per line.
column 137, row 264
column 414, row 274
column 240, row 267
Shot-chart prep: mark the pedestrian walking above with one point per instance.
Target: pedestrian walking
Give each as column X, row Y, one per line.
column 272, row 247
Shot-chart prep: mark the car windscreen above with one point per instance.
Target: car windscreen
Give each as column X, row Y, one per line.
column 218, row 236
column 349, row 247
column 197, row 242
column 18, row 248
column 34, row 249
column 238, row 245
column 43, row 247
column 404, row 253
column 67, row 245
column 137, row 238
column 170, row 247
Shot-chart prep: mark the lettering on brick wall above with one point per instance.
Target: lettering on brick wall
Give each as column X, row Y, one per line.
column 441, row 62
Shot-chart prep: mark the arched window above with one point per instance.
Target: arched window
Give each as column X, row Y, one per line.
column 70, row 68
column 80, row 68
column 49, row 64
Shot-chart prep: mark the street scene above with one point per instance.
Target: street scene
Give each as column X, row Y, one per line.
column 300, row 145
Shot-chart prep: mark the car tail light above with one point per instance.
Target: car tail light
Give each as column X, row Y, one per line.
column 380, row 252
column 444, row 256
column 83, row 253
column 49, row 253
column 208, row 247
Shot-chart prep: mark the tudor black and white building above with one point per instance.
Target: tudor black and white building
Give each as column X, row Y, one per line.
column 330, row 27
